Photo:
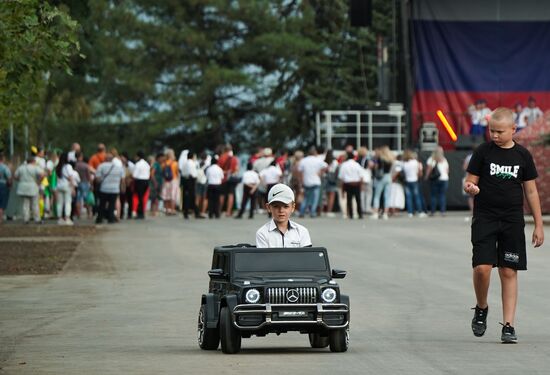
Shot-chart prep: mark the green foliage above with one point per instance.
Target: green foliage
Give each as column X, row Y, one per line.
column 35, row 39
column 196, row 73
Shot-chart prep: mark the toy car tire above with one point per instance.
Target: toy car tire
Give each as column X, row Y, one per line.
column 339, row 340
column 209, row 338
column 229, row 335
column 318, row 341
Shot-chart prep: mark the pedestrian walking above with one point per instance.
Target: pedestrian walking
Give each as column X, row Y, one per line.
column 202, row 183
column 251, row 181
column 170, row 187
column 271, row 175
column 155, row 183
column 437, row 172
column 296, row 177
column 311, row 168
column 83, row 189
column 109, row 176
column 383, row 162
column 397, row 191
column 189, row 173
column 501, row 172
column 365, row 161
column 351, row 176
column 65, row 189
column 5, row 183
column 230, row 166
column 140, row 175
column 28, row 176
column 330, row 181
column 214, row 178
column 413, row 171
column 94, row 162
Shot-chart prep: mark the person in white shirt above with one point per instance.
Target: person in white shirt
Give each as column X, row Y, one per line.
column 189, row 172
column 71, row 156
column 64, row 190
column 438, row 173
column 251, row 181
column 412, row 170
column 530, row 114
column 351, row 177
column 479, row 114
column 141, row 175
column 271, row 175
column 214, row 178
column 311, row 168
column 280, row 231
column 365, row 161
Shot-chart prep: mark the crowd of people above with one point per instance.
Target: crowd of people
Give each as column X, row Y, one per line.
column 479, row 113
column 111, row 186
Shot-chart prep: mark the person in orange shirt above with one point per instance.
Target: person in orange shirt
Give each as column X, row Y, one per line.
column 94, row 162
column 171, row 186
column 98, row 157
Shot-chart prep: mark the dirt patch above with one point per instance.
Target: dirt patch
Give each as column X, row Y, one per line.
column 46, row 230
column 34, row 257
column 30, row 249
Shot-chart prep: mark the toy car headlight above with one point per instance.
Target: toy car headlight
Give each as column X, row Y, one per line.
column 252, row 296
column 328, row 295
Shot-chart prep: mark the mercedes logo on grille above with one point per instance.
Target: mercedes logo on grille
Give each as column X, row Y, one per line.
column 292, row 296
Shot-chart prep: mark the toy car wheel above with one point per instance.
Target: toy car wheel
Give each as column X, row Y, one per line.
column 339, row 340
column 229, row 335
column 209, row 338
column 318, row 341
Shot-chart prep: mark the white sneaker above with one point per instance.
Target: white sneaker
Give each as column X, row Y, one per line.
column 374, row 217
column 69, row 222
column 385, row 217
column 422, row 215
column 410, row 215
column 331, row 214
column 61, row 222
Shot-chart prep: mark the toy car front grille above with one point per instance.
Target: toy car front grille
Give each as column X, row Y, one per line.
column 291, row 295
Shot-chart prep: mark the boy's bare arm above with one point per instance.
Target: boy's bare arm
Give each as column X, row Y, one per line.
column 470, row 184
column 532, row 196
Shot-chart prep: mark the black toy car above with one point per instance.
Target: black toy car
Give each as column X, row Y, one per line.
column 256, row 291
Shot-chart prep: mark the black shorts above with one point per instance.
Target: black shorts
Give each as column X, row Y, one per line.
column 229, row 187
column 500, row 243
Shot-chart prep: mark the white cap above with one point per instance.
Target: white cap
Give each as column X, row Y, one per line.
column 280, row 193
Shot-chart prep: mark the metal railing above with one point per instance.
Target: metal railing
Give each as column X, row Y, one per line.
column 335, row 129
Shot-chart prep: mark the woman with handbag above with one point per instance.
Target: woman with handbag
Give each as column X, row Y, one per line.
column 438, row 174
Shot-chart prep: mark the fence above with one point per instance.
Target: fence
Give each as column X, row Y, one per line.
column 336, row 129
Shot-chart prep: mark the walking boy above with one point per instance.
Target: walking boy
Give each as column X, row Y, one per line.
column 500, row 172
column 280, row 231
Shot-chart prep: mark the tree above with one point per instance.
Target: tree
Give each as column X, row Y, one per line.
column 36, row 38
column 196, row 73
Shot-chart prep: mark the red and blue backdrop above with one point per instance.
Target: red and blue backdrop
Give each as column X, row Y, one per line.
column 497, row 50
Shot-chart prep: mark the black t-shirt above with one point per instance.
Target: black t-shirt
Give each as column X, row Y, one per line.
column 501, row 172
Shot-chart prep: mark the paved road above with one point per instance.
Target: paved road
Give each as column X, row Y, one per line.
column 127, row 304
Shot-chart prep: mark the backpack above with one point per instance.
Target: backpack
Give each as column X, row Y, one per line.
column 167, row 172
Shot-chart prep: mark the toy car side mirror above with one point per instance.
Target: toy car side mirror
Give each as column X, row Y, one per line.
column 216, row 274
column 338, row 274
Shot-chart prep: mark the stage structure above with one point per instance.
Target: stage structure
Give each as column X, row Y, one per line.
column 337, row 128
column 463, row 51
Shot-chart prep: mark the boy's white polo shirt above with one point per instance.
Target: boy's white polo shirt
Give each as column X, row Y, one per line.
column 269, row 236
